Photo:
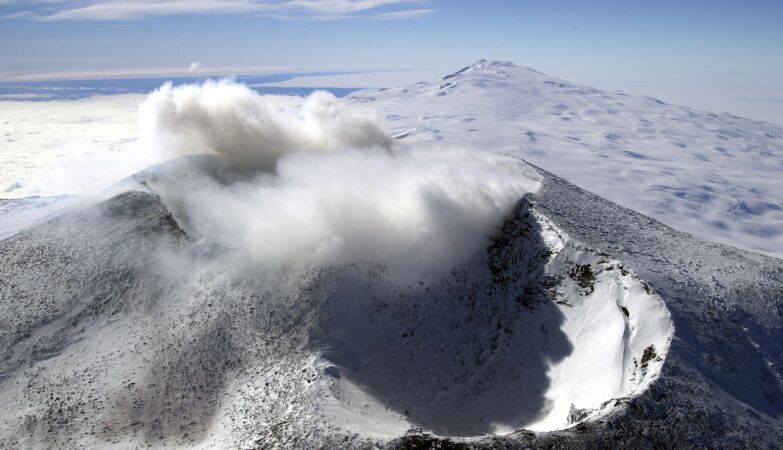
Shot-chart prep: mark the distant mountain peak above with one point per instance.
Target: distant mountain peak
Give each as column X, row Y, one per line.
column 487, row 64
column 490, row 67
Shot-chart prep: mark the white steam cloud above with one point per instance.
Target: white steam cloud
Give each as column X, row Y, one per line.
column 330, row 188
column 251, row 130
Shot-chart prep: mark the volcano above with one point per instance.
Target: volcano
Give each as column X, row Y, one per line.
column 575, row 323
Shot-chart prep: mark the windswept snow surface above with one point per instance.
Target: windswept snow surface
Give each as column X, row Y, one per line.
column 713, row 175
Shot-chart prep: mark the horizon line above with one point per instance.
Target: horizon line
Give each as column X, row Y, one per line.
column 218, row 72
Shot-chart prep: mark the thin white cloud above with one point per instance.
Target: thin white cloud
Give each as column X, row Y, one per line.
column 211, row 71
column 107, row 10
column 404, row 14
column 194, row 66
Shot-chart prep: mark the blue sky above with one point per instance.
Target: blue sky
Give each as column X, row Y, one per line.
column 688, row 35
column 594, row 42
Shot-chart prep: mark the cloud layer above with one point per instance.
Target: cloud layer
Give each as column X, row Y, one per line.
column 279, row 9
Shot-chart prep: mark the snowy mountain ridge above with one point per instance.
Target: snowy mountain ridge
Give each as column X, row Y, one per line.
column 685, row 167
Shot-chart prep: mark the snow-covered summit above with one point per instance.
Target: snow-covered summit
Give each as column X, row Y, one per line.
column 685, row 167
column 485, row 67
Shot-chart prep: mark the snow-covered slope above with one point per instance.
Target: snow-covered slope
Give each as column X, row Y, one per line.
column 716, row 176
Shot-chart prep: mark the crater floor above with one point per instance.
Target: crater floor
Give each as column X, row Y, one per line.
column 545, row 334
